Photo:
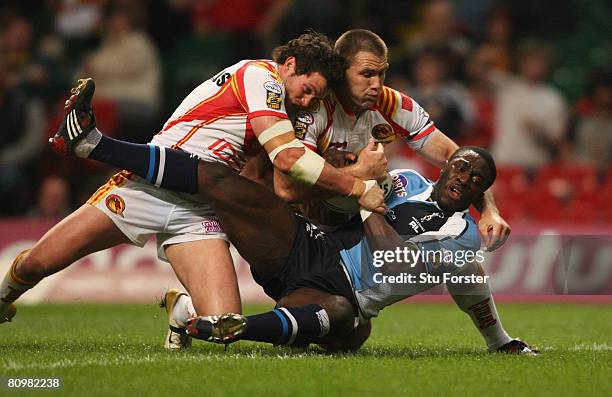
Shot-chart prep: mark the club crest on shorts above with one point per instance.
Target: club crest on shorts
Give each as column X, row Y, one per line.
column 273, row 95
column 115, row 204
column 383, row 133
column 302, row 121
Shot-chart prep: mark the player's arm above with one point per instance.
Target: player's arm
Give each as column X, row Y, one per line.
column 292, row 158
column 371, row 164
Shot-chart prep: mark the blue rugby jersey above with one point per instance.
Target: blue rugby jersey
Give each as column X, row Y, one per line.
column 416, row 220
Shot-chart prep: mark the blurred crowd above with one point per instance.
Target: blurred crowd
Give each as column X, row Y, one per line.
column 531, row 82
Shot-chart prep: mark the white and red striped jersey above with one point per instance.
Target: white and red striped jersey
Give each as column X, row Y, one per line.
column 329, row 125
column 214, row 120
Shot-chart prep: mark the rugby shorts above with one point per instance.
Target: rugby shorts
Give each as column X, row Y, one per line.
column 314, row 262
column 141, row 210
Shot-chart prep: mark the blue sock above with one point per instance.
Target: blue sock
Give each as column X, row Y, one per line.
column 288, row 326
column 168, row 168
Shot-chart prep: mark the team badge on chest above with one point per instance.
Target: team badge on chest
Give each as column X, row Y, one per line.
column 302, row 121
column 383, row 133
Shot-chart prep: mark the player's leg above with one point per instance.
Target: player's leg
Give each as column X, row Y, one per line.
column 476, row 300
column 260, row 225
column 85, row 231
column 352, row 342
column 247, row 208
column 302, row 317
column 209, row 277
column 78, row 136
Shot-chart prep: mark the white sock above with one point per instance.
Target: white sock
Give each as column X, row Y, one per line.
column 183, row 310
column 477, row 301
column 12, row 287
column 88, row 143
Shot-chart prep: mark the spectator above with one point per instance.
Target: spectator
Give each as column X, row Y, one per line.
column 53, row 199
column 531, row 115
column 439, row 31
column 479, row 70
column 127, row 72
column 446, row 101
column 21, row 137
column 594, row 130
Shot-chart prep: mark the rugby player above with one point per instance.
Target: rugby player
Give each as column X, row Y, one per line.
column 323, row 281
column 225, row 119
column 362, row 107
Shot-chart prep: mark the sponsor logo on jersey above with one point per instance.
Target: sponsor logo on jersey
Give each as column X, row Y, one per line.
column 115, row 204
column 212, row 227
column 383, row 133
column 273, row 86
column 302, row 120
column 399, row 185
column 431, row 216
column 273, row 95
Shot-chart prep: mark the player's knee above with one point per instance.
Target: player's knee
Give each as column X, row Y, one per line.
column 28, row 268
column 341, row 316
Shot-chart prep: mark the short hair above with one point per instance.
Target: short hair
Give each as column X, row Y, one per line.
column 356, row 40
column 313, row 52
column 484, row 154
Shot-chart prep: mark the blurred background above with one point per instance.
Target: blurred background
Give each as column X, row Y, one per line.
column 529, row 80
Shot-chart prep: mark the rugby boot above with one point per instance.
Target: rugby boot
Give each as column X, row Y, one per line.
column 8, row 314
column 223, row 329
column 517, row 346
column 73, row 138
column 176, row 337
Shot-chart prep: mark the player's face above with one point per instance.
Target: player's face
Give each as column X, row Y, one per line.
column 303, row 89
column 462, row 182
column 365, row 78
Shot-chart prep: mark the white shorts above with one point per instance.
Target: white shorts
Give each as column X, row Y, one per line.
column 141, row 210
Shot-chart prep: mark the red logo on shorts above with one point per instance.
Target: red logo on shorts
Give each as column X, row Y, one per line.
column 115, row 204
column 212, row 227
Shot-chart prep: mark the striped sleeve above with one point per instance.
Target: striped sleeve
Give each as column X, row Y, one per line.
column 260, row 91
column 408, row 119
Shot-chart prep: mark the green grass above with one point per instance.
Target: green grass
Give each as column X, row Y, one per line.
column 415, row 349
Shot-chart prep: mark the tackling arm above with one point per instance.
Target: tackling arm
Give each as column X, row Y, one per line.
column 290, row 157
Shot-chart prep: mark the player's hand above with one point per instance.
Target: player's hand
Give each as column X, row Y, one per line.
column 493, row 229
column 372, row 162
column 339, row 158
column 373, row 198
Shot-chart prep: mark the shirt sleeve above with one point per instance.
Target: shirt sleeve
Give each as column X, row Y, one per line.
column 408, row 119
column 262, row 92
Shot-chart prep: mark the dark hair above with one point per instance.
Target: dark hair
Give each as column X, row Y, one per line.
column 485, row 155
column 313, row 52
column 353, row 41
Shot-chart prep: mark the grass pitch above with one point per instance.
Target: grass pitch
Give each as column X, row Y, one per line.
column 415, row 349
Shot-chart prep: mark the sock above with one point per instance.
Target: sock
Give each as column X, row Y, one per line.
column 479, row 305
column 88, row 143
column 288, row 326
column 12, row 287
column 168, row 168
column 183, row 310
